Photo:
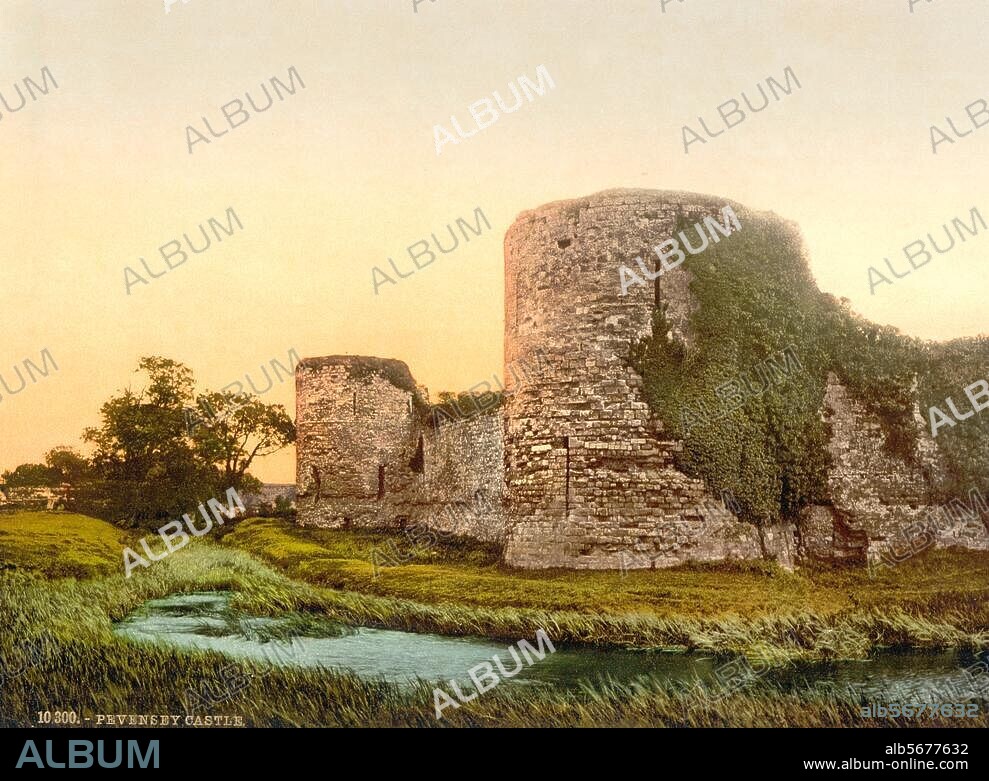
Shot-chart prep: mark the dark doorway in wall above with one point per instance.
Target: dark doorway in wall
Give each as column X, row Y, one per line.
column 355, row 402
column 381, row 481
column 418, row 462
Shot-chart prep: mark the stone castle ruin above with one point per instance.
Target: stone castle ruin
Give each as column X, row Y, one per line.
column 572, row 469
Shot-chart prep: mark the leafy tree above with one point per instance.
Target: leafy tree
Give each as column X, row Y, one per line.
column 157, row 456
column 283, row 506
column 30, row 476
column 243, row 428
column 148, row 469
column 68, row 466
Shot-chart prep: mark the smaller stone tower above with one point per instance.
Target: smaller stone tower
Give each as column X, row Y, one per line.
column 358, row 439
column 370, row 455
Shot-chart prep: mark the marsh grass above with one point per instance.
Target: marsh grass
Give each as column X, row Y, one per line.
column 86, row 668
column 59, row 650
column 934, row 602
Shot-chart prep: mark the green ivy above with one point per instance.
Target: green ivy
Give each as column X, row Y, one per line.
column 948, row 368
column 756, row 300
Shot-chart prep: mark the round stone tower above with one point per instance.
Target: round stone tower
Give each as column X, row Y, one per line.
column 589, row 474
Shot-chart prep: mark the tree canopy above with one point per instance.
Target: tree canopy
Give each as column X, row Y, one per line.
column 154, row 455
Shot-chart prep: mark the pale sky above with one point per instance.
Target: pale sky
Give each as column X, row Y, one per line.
column 344, row 174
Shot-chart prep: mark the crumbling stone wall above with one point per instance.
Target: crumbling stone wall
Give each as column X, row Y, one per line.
column 355, row 437
column 878, row 492
column 366, row 456
column 465, row 477
column 34, row 498
column 574, row 470
column 880, row 502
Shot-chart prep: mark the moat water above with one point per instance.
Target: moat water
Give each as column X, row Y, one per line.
column 206, row 621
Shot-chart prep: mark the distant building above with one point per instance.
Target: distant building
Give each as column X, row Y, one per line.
column 33, row 497
column 269, row 493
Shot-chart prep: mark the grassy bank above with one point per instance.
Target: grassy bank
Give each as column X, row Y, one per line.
column 457, row 588
column 59, row 544
column 78, row 664
column 935, row 601
column 59, row 651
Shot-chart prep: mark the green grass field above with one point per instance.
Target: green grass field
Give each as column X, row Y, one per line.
column 343, row 560
column 60, row 544
column 938, row 600
column 60, row 600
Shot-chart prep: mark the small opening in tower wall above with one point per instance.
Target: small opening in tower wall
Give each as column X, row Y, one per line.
column 355, row 402
column 314, row 471
column 418, row 462
column 564, row 243
column 566, row 501
column 381, row 481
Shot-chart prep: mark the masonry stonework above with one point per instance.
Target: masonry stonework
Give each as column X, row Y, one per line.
column 591, row 482
column 881, row 502
column 574, row 470
column 367, row 455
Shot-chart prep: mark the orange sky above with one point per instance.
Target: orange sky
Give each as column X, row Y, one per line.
column 344, row 174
